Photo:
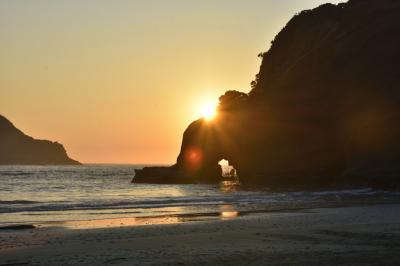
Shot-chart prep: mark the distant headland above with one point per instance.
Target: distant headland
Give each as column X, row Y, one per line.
column 323, row 110
column 18, row 148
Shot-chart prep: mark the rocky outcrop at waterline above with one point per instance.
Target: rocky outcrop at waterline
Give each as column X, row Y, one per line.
column 323, row 109
column 18, row 148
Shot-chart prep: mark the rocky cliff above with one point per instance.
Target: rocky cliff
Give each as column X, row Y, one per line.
column 323, row 109
column 18, row 148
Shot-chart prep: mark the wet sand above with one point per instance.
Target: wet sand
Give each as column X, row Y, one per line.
column 362, row 235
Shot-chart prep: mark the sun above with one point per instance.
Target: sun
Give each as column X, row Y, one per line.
column 208, row 110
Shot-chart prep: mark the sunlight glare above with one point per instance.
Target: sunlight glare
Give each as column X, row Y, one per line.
column 208, row 110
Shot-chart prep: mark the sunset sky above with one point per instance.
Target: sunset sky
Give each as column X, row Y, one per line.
column 119, row 81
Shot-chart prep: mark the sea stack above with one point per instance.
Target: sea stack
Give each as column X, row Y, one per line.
column 322, row 111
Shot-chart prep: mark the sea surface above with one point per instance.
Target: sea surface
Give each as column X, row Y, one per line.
column 45, row 194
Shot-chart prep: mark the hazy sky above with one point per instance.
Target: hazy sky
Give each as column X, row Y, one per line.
column 119, row 81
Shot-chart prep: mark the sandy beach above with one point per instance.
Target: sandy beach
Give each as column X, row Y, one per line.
column 362, row 235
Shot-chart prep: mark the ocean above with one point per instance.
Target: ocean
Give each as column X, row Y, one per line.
column 54, row 194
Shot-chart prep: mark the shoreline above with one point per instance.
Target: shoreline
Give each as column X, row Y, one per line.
column 230, row 212
column 144, row 220
column 354, row 235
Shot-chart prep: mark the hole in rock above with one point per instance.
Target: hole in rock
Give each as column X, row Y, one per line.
column 228, row 171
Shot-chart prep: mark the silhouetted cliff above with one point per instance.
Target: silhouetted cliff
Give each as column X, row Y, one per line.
column 323, row 110
column 18, row 148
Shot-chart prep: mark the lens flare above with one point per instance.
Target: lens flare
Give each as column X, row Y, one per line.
column 193, row 158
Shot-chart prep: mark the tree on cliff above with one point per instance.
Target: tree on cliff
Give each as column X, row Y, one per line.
column 232, row 100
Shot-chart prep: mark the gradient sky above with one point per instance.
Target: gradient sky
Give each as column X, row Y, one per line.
column 118, row 81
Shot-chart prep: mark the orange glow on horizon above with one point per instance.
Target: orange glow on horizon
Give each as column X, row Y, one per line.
column 121, row 81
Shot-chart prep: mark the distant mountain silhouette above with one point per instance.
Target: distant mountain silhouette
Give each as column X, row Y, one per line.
column 323, row 110
column 18, row 148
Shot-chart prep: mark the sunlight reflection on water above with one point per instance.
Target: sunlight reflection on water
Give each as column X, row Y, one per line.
column 102, row 194
column 229, row 186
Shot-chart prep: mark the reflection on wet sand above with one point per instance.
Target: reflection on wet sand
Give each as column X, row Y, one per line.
column 120, row 222
column 226, row 213
column 176, row 215
column 229, row 214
